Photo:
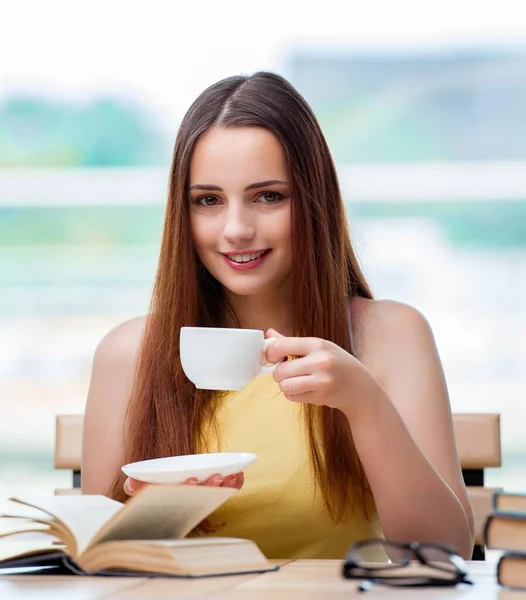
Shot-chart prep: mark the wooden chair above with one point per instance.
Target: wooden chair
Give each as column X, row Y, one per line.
column 68, row 448
column 478, row 445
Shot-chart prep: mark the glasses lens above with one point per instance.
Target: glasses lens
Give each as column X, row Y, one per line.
column 440, row 558
column 378, row 554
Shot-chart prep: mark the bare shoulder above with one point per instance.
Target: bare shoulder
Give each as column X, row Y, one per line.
column 109, row 393
column 374, row 315
column 387, row 328
column 122, row 343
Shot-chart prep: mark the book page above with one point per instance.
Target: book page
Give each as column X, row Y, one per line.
column 164, row 512
column 17, row 549
column 15, row 509
column 12, row 526
column 83, row 515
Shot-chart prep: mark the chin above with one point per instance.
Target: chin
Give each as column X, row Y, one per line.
column 245, row 290
column 245, row 284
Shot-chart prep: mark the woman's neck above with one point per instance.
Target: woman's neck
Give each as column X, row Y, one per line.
column 260, row 312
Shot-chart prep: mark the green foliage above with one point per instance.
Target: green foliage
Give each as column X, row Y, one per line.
column 474, row 224
column 38, row 132
column 405, row 106
column 483, row 224
column 86, row 225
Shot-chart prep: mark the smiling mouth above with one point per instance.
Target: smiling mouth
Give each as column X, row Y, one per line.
column 245, row 258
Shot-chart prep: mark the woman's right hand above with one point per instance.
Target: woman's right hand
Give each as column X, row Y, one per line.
column 132, row 486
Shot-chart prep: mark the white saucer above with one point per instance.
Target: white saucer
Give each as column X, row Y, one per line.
column 177, row 469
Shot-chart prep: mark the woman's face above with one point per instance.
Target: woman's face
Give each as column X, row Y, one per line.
column 240, row 209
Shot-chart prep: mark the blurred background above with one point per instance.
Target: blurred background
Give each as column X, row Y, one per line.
column 423, row 105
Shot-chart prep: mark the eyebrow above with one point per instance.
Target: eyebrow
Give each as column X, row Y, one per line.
column 252, row 186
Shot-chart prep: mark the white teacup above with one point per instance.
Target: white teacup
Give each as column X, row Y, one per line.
column 217, row 358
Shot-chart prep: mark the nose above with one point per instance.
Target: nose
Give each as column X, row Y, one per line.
column 239, row 223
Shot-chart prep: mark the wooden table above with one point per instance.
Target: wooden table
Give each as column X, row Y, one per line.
column 301, row 579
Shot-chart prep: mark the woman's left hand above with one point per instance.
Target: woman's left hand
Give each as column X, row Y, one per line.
column 323, row 373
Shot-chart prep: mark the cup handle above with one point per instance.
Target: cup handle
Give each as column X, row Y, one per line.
column 269, row 368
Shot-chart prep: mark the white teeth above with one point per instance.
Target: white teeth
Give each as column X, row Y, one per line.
column 241, row 258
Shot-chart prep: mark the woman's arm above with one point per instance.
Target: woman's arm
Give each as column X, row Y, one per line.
column 404, row 433
column 396, row 401
column 108, row 397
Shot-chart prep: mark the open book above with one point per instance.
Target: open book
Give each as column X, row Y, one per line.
column 94, row 534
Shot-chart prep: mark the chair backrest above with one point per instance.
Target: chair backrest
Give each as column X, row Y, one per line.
column 478, row 442
column 68, row 448
column 478, row 445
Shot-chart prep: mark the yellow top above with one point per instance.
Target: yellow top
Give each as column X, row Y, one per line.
column 278, row 506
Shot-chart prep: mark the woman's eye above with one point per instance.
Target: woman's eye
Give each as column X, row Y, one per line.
column 270, row 197
column 206, row 201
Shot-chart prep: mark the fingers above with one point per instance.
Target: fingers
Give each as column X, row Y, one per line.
column 132, row 486
column 191, row 481
column 274, row 333
column 293, row 368
column 295, row 387
column 235, row 481
column 293, row 346
column 215, row 480
column 271, row 333
column 126, row 488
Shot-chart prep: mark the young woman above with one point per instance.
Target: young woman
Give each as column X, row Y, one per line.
column 354, row 436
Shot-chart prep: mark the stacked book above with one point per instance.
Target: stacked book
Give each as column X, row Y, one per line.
column 505, row 529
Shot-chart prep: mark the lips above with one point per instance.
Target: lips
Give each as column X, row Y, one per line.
column 246, row 257
column 245, row 261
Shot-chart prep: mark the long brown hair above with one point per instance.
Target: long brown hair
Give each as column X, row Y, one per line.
column 166, row 413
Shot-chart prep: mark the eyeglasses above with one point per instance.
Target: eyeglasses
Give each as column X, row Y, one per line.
column 404, row 564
